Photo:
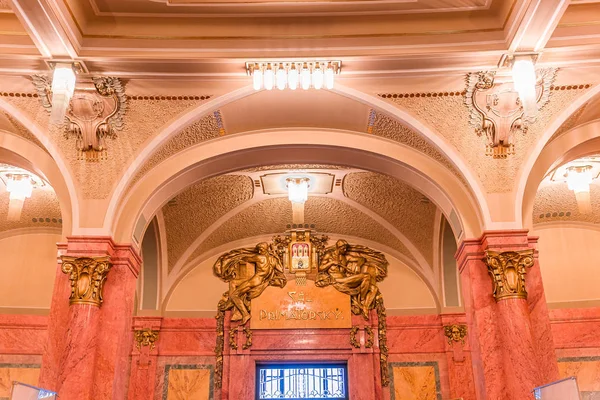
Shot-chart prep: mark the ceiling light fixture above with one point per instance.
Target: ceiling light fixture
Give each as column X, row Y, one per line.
column 291, row 74
column 298, row 194
column 63, row 86
column 579, row 178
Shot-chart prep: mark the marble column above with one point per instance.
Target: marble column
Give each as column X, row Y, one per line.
column 89, row 330
column 144, row 358
column 507, row 317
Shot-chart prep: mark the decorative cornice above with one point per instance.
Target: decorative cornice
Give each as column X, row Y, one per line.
column 507, row 270
column 87, row 276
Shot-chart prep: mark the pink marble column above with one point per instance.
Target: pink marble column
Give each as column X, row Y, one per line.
column 87, row 354
column 507, row 361
column 143, row 361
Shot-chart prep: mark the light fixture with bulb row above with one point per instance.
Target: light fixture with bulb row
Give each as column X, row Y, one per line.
column 293, row 74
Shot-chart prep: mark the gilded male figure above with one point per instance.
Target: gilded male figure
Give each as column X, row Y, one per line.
column 354, row 270
column 268, row 271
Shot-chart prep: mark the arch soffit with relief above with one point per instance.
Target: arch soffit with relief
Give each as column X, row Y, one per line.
column 53, row 167
column 546, row 152
column 121, row 192
column 21, row 153
column 578, row 142
column 228, row 154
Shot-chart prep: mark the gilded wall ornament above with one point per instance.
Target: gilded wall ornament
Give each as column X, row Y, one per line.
column 95, row 113
column 507, row 270
column 146, row 338
column 249, row 272
column 455, row 333
column 353, row 339
column 496, row 110
column 87, row 276
column 351, row 269
column 354, row 270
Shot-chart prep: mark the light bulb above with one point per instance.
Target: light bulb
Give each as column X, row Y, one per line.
column 63, row 86
column 305, row 77
column 293, row 77
column 329, row 74
column 257, row 77
column 579, row 178
column 317, row 77
column 297, row 190
column 269, row 78
column 281, row 77
column 523, row 72
column 19, row 187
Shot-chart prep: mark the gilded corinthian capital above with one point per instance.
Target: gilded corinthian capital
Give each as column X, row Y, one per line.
column 87, row 276
column 507, row 270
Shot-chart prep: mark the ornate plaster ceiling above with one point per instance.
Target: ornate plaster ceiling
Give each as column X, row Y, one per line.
column 400, row 204
column 447, row 114
column 234, row 207
column 272, row 216
column 189, row 213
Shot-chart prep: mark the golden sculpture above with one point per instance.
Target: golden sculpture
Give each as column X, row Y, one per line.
column 455, row 333
column 354, row 270
column 249, row 272
column 87, row 277
column 146, row 337
column 508, row 270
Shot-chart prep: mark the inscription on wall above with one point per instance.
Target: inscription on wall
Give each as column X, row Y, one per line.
column 298, row 307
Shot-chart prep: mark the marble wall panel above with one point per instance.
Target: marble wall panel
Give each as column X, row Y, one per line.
column 11, row 372
column 415, row 381
column 23, row 334
column 183, row 378
column 587, row 372
column 193, row 381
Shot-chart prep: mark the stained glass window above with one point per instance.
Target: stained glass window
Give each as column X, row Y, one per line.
column 325, row 381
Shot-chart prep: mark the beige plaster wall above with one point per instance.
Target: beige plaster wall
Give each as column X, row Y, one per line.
column 201, row 291
column 28, row 269
column 569, row 260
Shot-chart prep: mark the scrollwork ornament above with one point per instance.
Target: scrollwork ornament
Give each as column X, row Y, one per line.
column 219, row 348
column 232, row 338
column 496, row 111
column 370, row 340
column 87, row 276
column 96, row 112
column 248, row 343
column 353, row 339
column 507, row 270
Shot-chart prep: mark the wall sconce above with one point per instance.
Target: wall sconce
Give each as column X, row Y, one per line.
column 298, row 194
column 63, row 87
column 525, row 81
column 293, row 74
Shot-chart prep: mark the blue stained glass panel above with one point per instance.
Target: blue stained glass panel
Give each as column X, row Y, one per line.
column 302, row 382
